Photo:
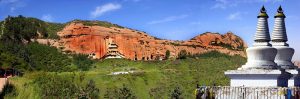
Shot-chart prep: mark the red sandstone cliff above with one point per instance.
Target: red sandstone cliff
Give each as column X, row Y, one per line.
column 93, row 39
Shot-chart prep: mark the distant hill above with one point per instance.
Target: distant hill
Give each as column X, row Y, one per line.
column 93, row 38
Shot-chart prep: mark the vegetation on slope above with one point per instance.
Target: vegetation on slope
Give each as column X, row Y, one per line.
column 37, row 57
column 154, row 79
column 33, row 56
column 53, row 28
column 21, row 28
column 50, row 74
column 97, row 23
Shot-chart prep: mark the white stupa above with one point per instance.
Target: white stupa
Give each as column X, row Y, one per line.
column 279, row 39
column 261, row 55
column 261, row 69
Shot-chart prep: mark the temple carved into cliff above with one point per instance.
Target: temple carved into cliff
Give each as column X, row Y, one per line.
column 112, row 50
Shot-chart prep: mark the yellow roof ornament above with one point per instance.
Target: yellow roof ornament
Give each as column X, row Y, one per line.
column 280, row 13
column 263, row 13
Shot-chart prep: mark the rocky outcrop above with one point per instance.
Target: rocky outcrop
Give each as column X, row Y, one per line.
column 297, row 63
column 136, row 45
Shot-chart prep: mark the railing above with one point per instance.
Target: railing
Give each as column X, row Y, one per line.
column 227, row 92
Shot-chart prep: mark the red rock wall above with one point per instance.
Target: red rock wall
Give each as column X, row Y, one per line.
column 78, row 38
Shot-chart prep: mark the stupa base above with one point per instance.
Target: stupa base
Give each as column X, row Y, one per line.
column 259, row 78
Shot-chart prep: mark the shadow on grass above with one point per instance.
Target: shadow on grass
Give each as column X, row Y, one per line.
column 8, row 89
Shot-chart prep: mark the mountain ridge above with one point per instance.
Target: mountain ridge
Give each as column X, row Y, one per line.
column 93, row 39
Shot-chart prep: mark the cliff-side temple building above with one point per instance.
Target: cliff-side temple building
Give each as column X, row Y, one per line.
column 112, row 50
column 269, row 63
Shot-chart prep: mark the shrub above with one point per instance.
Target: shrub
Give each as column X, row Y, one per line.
column 53, row 28
column 176, row 93
column 48, row 58
column 23, row 28
column 8, row 90
column 56, row 86
column 82, row 62
column 120, row 93
column 182, row 54
column 167, row 54
column 90, row 91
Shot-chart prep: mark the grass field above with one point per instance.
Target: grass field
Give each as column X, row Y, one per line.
column 151, row 79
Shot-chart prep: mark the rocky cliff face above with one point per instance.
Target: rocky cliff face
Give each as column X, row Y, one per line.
column 78, row 37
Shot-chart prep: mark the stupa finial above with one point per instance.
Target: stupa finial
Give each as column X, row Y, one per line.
column 263, row 12
column 280, row 12
column 263, row 9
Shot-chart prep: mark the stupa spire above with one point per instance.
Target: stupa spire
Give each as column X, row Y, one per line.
column 261, row 55
column 262, row 32
column 279, row 32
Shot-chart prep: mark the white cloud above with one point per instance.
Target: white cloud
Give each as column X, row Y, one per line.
column 277, row 1
column 133, row 0
column 12, row 4
column 168, row 19
column 136, row 0
column 48, row 18
column 235, row 16
column 100, row 10
column 196, row 23
column 223, row 4
column 9, row 1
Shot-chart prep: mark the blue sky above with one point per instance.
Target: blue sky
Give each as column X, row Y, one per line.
column 167, row 19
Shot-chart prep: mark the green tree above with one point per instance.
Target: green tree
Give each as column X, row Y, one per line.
column 176, row 93
column 125, row 93
column 54, row 86
column 22, row 28
column 167, row 54
column 53, row 28
column 48, row 58
column 121, row 93
column 82, row 62
column 90, row 91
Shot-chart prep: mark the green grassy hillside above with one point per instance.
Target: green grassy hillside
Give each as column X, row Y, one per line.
column 154, row 79
column 52, row 75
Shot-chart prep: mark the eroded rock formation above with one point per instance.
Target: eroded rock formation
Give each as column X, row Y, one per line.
column 136, row 45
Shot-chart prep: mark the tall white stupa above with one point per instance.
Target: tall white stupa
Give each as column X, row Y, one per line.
column 261, row 69
column 261, row 55
column 279, row 39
